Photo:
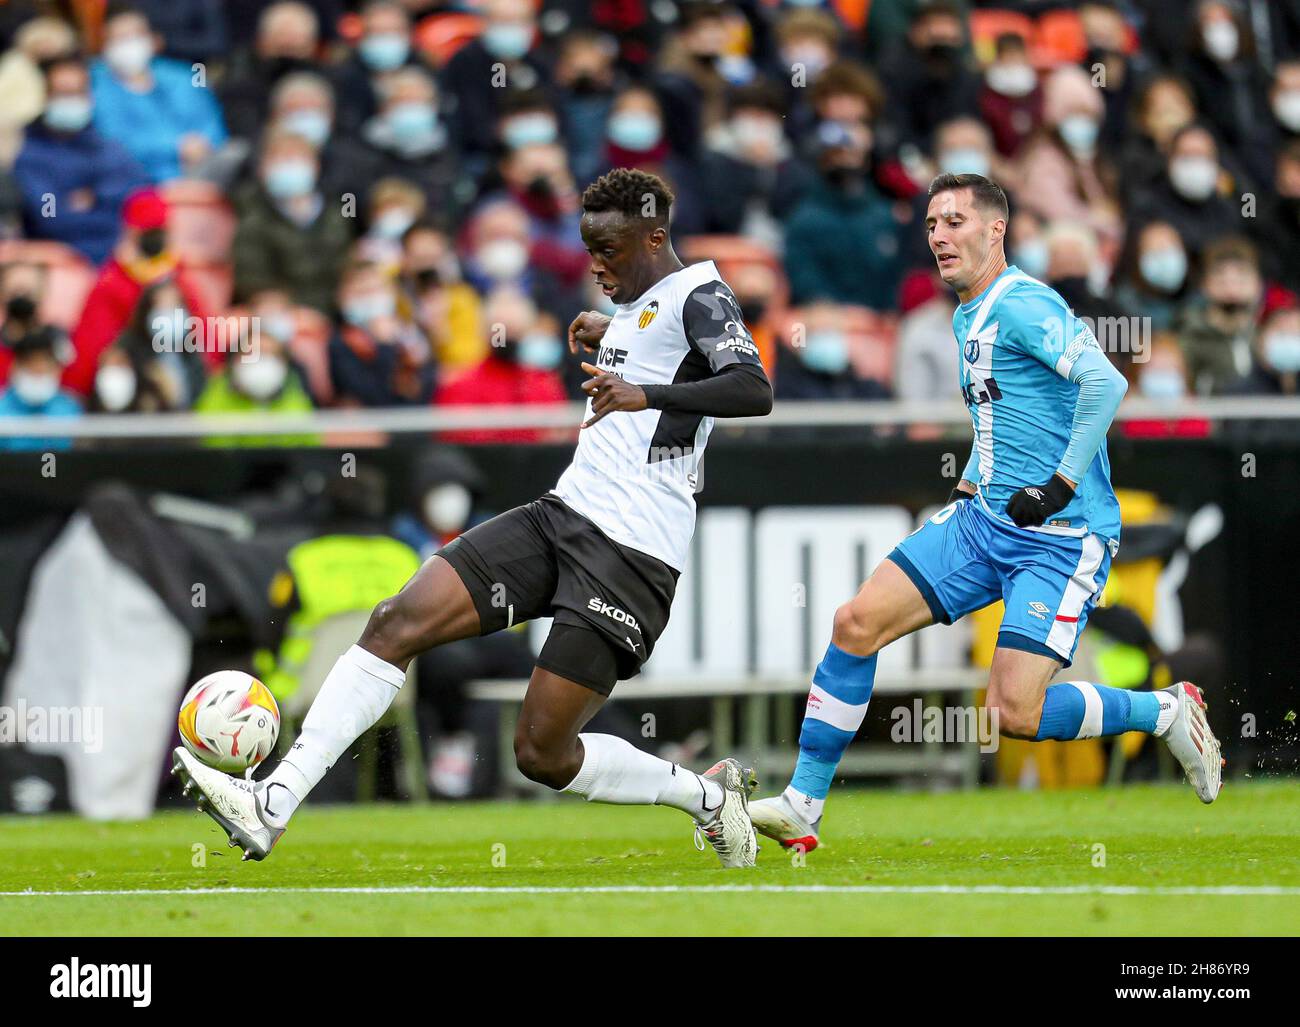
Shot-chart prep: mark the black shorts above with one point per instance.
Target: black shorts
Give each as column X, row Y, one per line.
column 545, row 559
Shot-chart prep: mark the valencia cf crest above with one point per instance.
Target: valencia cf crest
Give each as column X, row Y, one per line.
column 648, row 313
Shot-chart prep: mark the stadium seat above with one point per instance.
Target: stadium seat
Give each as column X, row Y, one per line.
column 70, row 276
column 986, row 26
column 201, row 223
column 310, row 348
column 439, row 36
column 1060, row 39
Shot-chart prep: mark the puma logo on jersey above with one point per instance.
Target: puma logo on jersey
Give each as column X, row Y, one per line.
column 648, row 314
column 598, row 605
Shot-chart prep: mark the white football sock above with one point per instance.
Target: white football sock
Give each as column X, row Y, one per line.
column 615, row 771
column 806, row 806
column 356, row 693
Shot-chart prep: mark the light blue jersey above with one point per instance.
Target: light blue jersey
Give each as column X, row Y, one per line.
column 1027, row 367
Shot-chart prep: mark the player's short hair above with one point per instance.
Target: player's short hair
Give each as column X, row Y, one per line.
column 986, row 194
column 626, row 191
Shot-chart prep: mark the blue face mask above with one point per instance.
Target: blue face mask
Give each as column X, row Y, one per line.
column 314, row 126
column 412, row 120
column 529, row 130
column 964, row 161
column 384, row 51
column 1032, row 257
column 365, row 309
column 68, row 113
column 1283, row 351
column 1162, row 383
column 1165, row 270
column 826, row 352
column 289, row 179
column 634, row 130
column 1080, row 133
column 508, row 41
column 540, row 351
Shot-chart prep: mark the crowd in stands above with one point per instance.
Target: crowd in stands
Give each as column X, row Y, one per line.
column 392, row 189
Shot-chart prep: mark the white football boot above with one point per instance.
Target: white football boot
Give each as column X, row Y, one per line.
column 1193, row 743
column 729, row 831
column 778, row 819
column 235, row 804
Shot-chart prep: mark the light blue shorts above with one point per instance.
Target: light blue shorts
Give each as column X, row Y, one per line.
column 962, row 559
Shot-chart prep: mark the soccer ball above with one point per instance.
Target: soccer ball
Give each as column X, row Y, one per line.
column 230, row 721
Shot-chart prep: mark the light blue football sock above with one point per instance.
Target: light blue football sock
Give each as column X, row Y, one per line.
column 837, row 704
column 1079, row 709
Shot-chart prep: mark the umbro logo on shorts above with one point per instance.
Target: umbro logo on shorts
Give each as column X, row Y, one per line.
column 1039, row 610
column 598, row 605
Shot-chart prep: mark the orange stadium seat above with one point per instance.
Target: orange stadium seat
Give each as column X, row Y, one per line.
column 201, row 223
column 310, row 348
column 439, row 36
column 987, row 25
column 70, row 276
column 1060, row 39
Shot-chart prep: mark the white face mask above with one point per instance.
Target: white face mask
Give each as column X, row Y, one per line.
column 33, row 388
column 1221, row 40
column 129, row 56
column 1286, row 108
column 260, row 379
column 964, row 161
column 115, row 387
column 446, row 507
column 1283, row 351
column 1080, row 133
column 503, row 259
column 1194, row 178
column 1013, row 80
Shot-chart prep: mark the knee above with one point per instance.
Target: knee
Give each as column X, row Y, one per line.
column 391, row 633
column 537, row 763
column 1017, row 712
column 856, row 629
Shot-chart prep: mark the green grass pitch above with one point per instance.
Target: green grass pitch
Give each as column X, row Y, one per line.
column 988, row 862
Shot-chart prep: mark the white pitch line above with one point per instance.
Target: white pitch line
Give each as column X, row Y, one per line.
column 671, row 889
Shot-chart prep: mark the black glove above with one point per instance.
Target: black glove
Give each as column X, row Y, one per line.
column 1032, row 506
column 958, row 493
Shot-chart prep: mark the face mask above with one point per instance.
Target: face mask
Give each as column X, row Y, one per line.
column 115, row 387
column 153, row 241
column 392, row 223
column 1283, row 351
column 278, row 326
column 1194, row 178
column 1166, row 270
column 129, row 56
column 1287, row 109
column 539, row 351
column 634, row 130
column 314, row 126
column 507, row 41
column 1162, row 383
column 1013, row 80
column 503, row 259
column 757, row 133
column 812, row 59
column 21, row 307
column 529, row 130
column 1032, row 257
column 1080, row 133
column 260, row 379
column 826, row 352
column 963, row 161
column 446, row 507
column 365, row 309
column 34, row 389
column 1221, row 40
column 68, row 113
column 384, row 51
column 413, row 120
column 289, row 179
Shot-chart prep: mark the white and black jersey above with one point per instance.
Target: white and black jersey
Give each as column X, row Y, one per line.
column 634, row 474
